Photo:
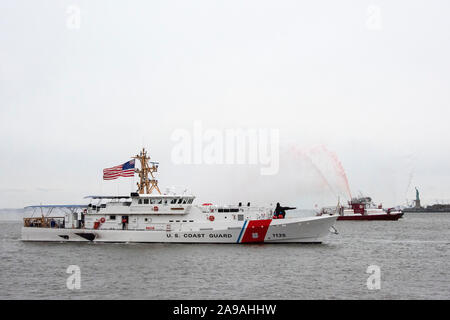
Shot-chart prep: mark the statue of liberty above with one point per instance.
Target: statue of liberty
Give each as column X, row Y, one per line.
column 417, row 198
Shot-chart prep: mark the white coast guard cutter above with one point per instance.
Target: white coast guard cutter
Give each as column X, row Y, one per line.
column 147, row 217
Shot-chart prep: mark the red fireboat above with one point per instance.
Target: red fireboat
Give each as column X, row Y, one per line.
column 363, row 208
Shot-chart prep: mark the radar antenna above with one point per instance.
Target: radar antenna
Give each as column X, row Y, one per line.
column 146, row 185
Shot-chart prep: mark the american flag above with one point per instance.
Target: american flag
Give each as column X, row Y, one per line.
column 122, row 170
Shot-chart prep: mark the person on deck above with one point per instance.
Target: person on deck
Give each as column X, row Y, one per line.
column 79, row 219
column 280, row 212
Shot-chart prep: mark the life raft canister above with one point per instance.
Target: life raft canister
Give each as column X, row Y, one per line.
column 211, row 218
column 102, row 220
column 155, row 208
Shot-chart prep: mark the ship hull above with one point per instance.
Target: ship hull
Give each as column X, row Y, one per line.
column 377, row 217
column 300, row 230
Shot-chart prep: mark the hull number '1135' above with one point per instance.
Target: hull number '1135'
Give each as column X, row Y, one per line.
column 279, row 235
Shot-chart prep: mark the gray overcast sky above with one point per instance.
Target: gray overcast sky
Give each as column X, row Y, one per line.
column 75, row 101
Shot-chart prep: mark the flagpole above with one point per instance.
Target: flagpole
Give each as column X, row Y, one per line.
column 131, row 184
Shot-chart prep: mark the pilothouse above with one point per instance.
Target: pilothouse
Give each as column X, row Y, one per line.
column 147, row 215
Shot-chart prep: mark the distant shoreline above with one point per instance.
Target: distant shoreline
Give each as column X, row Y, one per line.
column 11, row 214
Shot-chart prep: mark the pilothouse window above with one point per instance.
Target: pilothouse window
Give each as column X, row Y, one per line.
column 145, row 201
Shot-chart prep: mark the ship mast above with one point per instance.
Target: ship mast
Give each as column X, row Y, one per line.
column 146, row 185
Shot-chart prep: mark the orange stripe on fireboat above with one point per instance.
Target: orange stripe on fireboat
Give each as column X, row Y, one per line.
column 256, row 231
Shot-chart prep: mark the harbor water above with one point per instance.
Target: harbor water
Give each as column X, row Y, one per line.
column 412, row 255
